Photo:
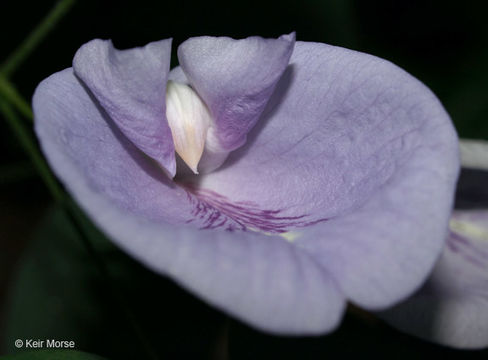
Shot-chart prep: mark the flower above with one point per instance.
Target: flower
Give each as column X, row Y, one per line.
column 451, row 308
column 328, row 174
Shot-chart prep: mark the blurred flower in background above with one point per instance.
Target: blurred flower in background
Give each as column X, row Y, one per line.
column 451, row 308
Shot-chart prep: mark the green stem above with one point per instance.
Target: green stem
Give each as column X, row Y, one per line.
column 23, row 51
column 9, row 92
column 28, row 144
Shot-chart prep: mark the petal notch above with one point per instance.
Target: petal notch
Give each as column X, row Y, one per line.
column 235, row 78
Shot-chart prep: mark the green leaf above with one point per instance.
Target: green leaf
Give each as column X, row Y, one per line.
column 52, row 355
column 52, row 297
column 59, row 294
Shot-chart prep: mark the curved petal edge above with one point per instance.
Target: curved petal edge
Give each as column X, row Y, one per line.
column 260, row 279
column 452, row 307
column 235, row 78
column 131, row 86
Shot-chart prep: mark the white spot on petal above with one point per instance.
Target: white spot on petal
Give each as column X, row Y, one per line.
column 290, row 236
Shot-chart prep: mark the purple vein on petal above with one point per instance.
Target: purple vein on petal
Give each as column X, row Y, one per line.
column 216, row 211
column 467, row 249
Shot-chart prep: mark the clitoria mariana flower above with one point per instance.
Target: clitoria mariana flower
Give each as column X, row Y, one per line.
column 327, row 175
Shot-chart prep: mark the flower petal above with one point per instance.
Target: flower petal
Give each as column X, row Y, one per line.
column 66, row 113
column 452, row 307
column 189, row 120
column 346, row 137
column 260, row 279
column 131, row 87
column 354, row 140
column 235, row 78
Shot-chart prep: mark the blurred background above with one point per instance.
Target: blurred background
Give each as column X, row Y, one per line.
column 49, row 285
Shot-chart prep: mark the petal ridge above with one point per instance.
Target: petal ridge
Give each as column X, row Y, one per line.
column 131, row 86
column 374, row 148
column 235, row 78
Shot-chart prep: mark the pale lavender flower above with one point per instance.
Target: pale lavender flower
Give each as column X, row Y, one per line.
column 451, row 308
column 327, row 175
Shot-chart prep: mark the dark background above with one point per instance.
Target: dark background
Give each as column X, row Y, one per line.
column 48, row 285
